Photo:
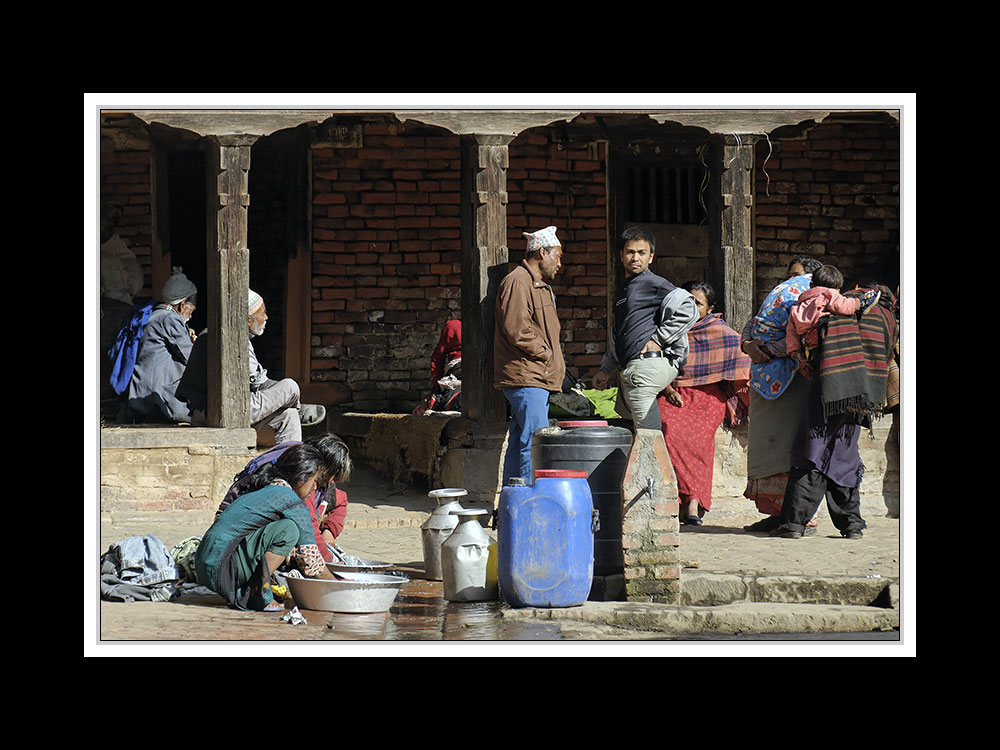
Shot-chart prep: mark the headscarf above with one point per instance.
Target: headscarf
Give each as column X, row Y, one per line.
column 771, row 379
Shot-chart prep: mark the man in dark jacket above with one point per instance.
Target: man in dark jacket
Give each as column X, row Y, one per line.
column 528, row 361
column 648, row 342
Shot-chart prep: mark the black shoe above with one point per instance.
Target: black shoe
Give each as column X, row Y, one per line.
column 853, row 534
column 765, row 524
column 786, row 533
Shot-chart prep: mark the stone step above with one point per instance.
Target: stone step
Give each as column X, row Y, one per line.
column 714, row 589
column 722, row 620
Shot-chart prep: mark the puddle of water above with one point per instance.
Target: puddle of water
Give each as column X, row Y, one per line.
column 421, row 613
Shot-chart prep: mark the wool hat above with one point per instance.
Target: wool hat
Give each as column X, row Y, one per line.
column 177, row 288
column 542, row 238
column 255, row 302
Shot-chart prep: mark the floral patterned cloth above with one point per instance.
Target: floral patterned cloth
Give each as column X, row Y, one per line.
column 770, row 380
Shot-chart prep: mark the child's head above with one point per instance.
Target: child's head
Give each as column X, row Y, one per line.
column 828, row 276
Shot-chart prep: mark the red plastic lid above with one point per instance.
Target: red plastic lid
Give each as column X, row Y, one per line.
column 560, row 474
column 583, row 423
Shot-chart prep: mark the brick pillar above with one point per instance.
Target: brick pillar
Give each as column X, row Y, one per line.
column 650, row 528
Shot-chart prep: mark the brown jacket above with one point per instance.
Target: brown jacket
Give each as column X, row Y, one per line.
column 526, row 348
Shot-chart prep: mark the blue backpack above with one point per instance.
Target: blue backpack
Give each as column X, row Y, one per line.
column 124, row 351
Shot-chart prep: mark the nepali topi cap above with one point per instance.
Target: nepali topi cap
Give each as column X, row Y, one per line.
column 255, row 302
column 542, row 238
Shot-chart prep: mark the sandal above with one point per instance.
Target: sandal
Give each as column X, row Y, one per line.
column 273, row 606
column 692, row 520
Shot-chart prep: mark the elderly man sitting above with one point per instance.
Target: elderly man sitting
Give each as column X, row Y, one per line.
column 273, row 403
column 164, row 350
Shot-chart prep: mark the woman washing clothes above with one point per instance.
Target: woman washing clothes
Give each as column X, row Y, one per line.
column 263, row 528
column 777, row 396
column 710, row 388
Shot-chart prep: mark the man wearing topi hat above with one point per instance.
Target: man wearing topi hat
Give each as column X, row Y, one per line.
column 275, row 403
column 528, row 361
column 163, row 354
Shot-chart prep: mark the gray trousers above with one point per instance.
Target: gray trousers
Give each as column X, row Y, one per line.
column 638, row 386
column 276, row 405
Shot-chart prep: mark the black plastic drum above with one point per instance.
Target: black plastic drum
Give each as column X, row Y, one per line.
column 602, row 451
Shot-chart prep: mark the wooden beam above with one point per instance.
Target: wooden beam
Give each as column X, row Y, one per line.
column 484, row 264
column 737, row 229
column 228, row 281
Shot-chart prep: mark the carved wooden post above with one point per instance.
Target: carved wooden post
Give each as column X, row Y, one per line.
column 228, row 281
column 484, row 264
column 737, row 237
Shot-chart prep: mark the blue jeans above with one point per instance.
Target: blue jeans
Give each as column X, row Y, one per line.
column 529, row 411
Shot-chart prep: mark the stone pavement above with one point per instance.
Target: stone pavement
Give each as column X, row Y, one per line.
column 733, row 582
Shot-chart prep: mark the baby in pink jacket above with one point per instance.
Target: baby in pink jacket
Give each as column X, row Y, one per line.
column 820, row 300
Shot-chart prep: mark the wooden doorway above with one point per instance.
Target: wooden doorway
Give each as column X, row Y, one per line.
column 665, row 189
column 180, row 216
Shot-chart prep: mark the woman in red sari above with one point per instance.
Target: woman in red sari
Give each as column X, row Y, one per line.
column 710, row 387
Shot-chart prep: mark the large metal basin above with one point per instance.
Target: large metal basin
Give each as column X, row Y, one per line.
column 358, row 592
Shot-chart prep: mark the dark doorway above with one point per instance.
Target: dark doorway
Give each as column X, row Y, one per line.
column 186, row 186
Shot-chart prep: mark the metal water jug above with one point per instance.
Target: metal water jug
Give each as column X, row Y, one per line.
column 439, row 526
column 466, row 565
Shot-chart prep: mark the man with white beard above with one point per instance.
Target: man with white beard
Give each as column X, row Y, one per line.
column 275, row 403
column 163, row 353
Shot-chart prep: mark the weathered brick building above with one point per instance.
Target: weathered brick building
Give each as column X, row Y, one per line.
column 365, row 231
column 354, row 228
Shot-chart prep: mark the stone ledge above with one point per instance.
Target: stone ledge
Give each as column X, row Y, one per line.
column 178, row 437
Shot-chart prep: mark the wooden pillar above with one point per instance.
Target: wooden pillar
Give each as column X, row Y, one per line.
column 736, row 271
column 484, row 264
column 228, row 281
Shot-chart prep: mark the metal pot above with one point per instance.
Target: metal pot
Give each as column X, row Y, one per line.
column 357, row 593
column 465, row 560
column 438, row 527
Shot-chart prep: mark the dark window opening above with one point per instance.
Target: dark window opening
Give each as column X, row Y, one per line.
column 661, row 194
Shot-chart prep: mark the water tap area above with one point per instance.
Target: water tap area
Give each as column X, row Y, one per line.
column 386, row 526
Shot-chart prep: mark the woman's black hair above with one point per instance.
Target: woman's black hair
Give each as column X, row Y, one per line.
column 705, row 288
column 334, row 451
column 296, row 465
column 808, row 264
column 828, row 276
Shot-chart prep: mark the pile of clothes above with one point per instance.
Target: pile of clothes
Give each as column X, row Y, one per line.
column 141, row 568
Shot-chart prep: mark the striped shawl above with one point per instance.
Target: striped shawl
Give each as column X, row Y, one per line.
column 854, row 359
column 715, row 356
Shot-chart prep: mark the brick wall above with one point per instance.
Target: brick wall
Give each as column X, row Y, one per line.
column 832, row 194
column 565, row 187
column 194, row 477
column 387, row 253
column 386, row 262
column 125, row 179
column 386, row 234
